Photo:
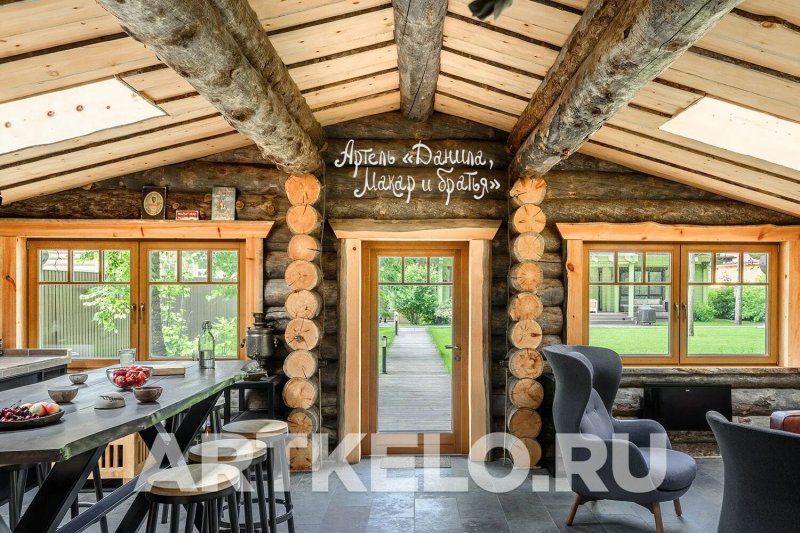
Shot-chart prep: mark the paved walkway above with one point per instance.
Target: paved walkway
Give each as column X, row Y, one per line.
column 416, row 392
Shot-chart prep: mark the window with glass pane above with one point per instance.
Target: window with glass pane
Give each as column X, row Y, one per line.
column 83, row 299
column 728, row 303
column 629, row 301
column 186, row 287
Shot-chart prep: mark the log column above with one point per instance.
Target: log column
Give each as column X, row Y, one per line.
column 525, row 311
column 304, row 305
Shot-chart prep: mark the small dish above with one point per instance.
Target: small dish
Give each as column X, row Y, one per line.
column 63, row 394
column 109, row 400
column 78, row 378
column 147, row 394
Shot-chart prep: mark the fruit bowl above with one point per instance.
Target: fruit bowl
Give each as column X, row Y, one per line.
column 29, row 415
column 128, row 377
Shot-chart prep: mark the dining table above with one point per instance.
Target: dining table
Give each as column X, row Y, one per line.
column 74, row 444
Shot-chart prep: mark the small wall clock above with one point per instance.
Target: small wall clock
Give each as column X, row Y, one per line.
column 154, row 202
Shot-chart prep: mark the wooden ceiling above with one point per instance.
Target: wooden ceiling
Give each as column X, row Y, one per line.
column 341, row 54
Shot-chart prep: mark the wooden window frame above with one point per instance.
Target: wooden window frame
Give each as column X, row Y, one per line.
column 786, row 284
column 14, row 234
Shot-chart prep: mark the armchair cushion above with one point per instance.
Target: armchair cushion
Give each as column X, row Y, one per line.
column 596, row 420
column 681, row 469
column 642, row 431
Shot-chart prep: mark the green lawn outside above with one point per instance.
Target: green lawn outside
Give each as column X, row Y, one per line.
column 442, row 336
column 715, row 337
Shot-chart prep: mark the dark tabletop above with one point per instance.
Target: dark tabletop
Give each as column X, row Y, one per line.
column 83, row 427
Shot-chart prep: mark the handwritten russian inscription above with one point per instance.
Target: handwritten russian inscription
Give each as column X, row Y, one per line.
column 453, row 172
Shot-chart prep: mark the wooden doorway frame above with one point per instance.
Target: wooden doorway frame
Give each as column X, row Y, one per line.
column 351, row 233
column 450, row 442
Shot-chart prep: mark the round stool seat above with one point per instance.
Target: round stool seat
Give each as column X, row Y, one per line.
column 237, row 452
column 257, row 428
column 193, row 480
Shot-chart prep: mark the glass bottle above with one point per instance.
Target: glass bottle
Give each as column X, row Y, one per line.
column 205, row 346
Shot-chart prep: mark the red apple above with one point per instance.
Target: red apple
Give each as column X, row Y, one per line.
column 38, row 409
column 51, row 408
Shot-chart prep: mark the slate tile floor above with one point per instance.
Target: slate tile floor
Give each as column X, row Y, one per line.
column 428, row 510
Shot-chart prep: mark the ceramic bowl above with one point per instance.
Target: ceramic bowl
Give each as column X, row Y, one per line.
column 63, row 394
column 79, row 378
column 147, row 394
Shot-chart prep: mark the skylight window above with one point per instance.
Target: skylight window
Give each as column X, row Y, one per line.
column 69, row 113
column 738, row 129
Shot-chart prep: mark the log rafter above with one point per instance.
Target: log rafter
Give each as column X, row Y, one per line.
column 419, row 26
column 642, row 40
column 182, row 35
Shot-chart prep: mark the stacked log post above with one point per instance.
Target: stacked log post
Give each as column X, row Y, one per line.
column 526, row 314
column 304, row 305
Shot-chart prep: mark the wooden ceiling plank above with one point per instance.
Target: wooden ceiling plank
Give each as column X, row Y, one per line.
column 289, row 13
column 458, row 108
column 640, row 121
column 532, row 19
column 704, row 163
column 667, row 171
column 65, row 68
column 179, row 111
column 500, row 78
column 480, row 95
column 784, row 9
column 40, row 24
column 168, row 156
column 664, row 99
column 770, row 45
column 334, row 37
column 252, row 105
column 497, row 47
column 635, row 48
column 159, row 84
column 98, row 154
column 332, row 95
column 343, row 68
column 360, row 108
column 418, row 36
column 243, row 24
column 743, row 86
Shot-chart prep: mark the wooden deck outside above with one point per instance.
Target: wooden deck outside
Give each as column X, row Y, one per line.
column 416, row 392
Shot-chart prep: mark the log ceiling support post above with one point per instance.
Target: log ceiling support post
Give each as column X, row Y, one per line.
column 418, row 31
column 633, row 42
column 191, row 37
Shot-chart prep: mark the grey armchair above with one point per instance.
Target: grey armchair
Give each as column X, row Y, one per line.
column 761, row 471
column 587, row 379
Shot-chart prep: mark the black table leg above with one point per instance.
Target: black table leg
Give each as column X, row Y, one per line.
column 226, row 410
column 58, row 491
column 188, row 429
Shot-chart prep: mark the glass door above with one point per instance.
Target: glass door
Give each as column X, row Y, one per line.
column 414, row 354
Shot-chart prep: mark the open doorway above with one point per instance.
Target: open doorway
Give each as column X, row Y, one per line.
column 414, row 346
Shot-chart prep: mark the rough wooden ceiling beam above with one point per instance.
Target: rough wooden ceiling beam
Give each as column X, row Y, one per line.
column 192, row 39
column 640, row 42
column 418, row 30
column 243, row 23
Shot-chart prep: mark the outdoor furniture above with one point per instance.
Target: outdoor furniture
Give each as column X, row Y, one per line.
column 785, row 421
column 204, row 486
column 587, row 379
column 273, row 433
column 77, row 442
column 248, row 455
column 761, row 470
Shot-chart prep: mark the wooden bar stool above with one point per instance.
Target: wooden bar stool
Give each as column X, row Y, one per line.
column 245, row 454
column 274, row 434
column 193, row 486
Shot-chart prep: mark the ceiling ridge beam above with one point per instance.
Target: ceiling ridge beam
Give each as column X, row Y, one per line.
column 642, row 39
column 191, row 37
column 418, row 32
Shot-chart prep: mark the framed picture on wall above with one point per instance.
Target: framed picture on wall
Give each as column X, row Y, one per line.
column 223, row 203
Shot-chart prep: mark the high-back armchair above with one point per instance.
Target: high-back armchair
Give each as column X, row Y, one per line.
column 760, row 483
column 587, row 380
